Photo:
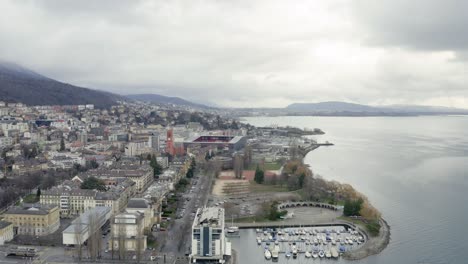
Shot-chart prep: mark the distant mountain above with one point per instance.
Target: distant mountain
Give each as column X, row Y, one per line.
column 339, row 108
column 161, row 99
column 331, row 107
column 425, row 109
column 18, row 84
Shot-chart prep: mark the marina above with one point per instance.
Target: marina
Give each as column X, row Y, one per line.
column 298, row 244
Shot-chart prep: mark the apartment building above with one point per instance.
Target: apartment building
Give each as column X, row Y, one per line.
column 34, row 220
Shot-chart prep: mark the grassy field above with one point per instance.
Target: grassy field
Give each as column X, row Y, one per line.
column 255, row 188
column 372, row 226
column 251, row 219
column 31, row 198
column 267, row 165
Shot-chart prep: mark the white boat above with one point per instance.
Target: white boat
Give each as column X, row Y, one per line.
column 333, row 241
column 334, row 252
column 258, row 230
column 267, row 254
column 259, row 241
column 307, row 254
column 315, row 254
column 232, row 229
column 328, row 254
column 321, row 254
column 294, row 252
column 275, row 253
column 288, row 254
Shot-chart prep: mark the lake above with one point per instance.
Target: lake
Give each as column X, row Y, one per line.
column 413, row 169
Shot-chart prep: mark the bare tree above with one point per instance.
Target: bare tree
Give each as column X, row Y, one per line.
column 238, row 165
column 94, row 239
column 78, row 239
column 122, row 238
column 139, row 242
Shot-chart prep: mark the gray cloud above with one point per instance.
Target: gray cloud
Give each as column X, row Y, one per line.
column 245, row 53
column 417, row 24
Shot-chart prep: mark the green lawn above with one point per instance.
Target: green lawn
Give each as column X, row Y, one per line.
column 268, row 166
column 31, row 198
column 255, row 188
column 251, row 219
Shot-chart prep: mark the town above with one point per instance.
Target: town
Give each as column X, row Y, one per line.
column 142, row 182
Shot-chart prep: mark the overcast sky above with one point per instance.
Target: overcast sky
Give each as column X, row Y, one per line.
column 248, row 53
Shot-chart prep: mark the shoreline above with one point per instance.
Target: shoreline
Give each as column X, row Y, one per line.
column 374, row 245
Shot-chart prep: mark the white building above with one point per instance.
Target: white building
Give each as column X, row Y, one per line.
column 208, row 238
column 128, row 229
column 140, row 205
column 6, row 232
column 136, row 148
column 80, row 229
column 154, row 142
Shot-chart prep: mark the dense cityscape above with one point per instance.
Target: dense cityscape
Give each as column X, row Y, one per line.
column 141, row 181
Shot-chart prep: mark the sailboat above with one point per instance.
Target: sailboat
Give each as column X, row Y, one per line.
column 232, row 229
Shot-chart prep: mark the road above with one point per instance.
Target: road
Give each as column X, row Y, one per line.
column 178, row 237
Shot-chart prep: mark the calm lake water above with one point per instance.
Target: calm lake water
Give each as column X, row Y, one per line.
column 413, row 169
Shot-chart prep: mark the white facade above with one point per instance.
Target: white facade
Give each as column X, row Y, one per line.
column 208, row 237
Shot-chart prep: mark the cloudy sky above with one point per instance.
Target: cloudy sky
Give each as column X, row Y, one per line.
column 248, row 53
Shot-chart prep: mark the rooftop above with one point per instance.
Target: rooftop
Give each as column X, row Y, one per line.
column 209, row 216
column 34, row 209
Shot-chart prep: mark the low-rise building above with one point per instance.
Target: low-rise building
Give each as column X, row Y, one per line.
column 142, row 206
column 127, row 230
column 84, row 225
column 35, row 220
column 6, row 232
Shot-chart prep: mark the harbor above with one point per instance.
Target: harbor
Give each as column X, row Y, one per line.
column 297, row 244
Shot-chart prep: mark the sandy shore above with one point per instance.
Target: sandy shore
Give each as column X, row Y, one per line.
column 373, row 245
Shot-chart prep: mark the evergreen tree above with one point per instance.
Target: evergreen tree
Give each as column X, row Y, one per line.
column 157, row 169
column 62, row 144
column 38, row 193
column 259, row 175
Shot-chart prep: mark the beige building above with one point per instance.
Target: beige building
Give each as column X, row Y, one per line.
column 6, row 232
column 35, row 220
column 142, row 175
column 140, row 205
column 127, row 229
column 74, row 201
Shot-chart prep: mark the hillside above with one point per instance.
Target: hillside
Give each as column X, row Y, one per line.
column 342, row 108
column 18, row 84
column 332, row 107
column 161, row 99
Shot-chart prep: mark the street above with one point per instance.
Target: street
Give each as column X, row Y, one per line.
column 177, row 240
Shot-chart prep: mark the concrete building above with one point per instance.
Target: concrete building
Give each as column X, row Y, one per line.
column 74, row 201
column 34, row 220
column 6, row 232
column 142, row 175
column 142, row 206
column 136, row 148
column 128, row 229
column 80, row 229
column 208, row 238
column 232, row 143
column 154, row 142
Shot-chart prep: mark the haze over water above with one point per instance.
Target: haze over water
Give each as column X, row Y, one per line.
column 413, row 169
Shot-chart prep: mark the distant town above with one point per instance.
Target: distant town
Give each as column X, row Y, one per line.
column 142, row 182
